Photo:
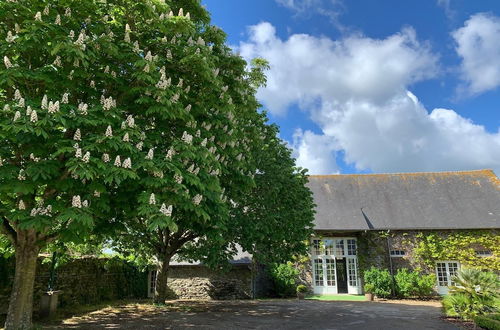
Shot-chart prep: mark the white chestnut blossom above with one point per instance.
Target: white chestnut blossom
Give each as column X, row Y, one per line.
column 21, row 176
column 67, row 13
column 86, row 157
column 181, row 12
column 80, row 42
column 118, row 161
column 191, row 168
column 187, row 89
column 109, row 131
column 85, row 203
column 105, row 158
column 126, row 138
column 97, row 193
column 77, row 136
column 204, row 142
column 130, row 121
column 197, row 199
column 216, row 72
column 127, row 163
column 17, row 95
column 28, row 111
column 158, row 174
column 10, row 37
column 169, row 54
column 82, row 108
column 46, row 10
column 139, row 145
column 21, row 205
column 71, row 34
column 170, row 153
column 178, row 178
column 196, row 171
column 21, row 102
column 65, row 98
column 58, row 20
column 78, row 153
column 150, row 154
column 148, row 57
column 188, row 108
column 53, row 107
column 6, row 107
column 76, row 202
column 38, row 16
column 57, row 61
column 136, row 47
column 146, row 68
column 152, row 200
column 33, row 117
column 187, row 138
column 17, row 28
column 108, row 103
column 167, row 211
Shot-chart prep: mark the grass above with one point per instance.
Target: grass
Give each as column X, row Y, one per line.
column 337, row 297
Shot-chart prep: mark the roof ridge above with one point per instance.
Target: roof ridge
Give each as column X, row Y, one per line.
column 488, row 172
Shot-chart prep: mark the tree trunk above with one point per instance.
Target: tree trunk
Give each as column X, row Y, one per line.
column 21, row 298
column 161, row 288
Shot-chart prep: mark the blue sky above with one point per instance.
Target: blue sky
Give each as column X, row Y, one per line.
column 365, row 86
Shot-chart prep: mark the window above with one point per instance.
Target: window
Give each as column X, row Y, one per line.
column 351, row 247
column 351, row 268
column 484, row 253
column 339, row 247
column 397, row 253
column 330, row 272
column 318, row 272
column 445, row 270
column 317, row 247
column 328, row 246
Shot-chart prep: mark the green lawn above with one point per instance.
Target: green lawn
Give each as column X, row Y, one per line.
column 339, row 297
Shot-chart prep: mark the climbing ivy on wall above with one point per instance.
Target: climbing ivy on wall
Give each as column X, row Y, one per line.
column 461, row 246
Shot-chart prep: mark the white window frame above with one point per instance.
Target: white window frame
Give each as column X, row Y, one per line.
column 330, row 254
column 443, row 289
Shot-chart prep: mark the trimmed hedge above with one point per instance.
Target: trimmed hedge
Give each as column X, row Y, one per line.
column 488, row 322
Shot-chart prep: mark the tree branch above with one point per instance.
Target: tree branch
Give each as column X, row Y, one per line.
column 8, row 230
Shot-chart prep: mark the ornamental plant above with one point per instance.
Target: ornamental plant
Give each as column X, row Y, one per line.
column 380, row 281
column 111, row 111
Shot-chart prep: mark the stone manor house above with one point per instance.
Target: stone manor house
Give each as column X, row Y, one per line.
column 372, row 219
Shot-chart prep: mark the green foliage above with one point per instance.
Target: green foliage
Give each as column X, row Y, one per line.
column 301, row 288
column 460, row 245
column 487, row 322
column 369, row 288
column 413, row 284
column 285, row 278
column 474, row 293
column 381, row 281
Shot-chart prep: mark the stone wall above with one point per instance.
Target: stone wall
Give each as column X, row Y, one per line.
column 81, row 281
column 199, row 282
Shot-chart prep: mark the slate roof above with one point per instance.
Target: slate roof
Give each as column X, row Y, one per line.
column 439, row 200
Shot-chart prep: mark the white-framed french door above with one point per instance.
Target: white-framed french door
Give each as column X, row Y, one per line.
column 335, row 266
column 445, row 270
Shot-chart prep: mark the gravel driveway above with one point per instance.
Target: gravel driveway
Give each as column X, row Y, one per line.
column 264, row 314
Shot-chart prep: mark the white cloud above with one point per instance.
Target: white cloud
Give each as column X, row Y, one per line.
column 479, row 47
column 357, row 91
column 314, row 152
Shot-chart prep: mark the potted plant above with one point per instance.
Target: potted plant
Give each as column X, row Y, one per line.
column 369, row 289
column 301, row 291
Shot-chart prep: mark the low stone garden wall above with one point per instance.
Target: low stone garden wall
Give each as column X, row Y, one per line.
column 199, row 282
column 81, row 281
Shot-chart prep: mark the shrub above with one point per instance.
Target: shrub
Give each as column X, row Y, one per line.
column 411, row 284
column 285, row 278
column 301, row 288
column 487, row 322
column 475, row 293
column 381, row 281
column 369, row 288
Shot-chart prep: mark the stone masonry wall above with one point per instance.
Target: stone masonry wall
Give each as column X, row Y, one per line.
column 198, row 282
